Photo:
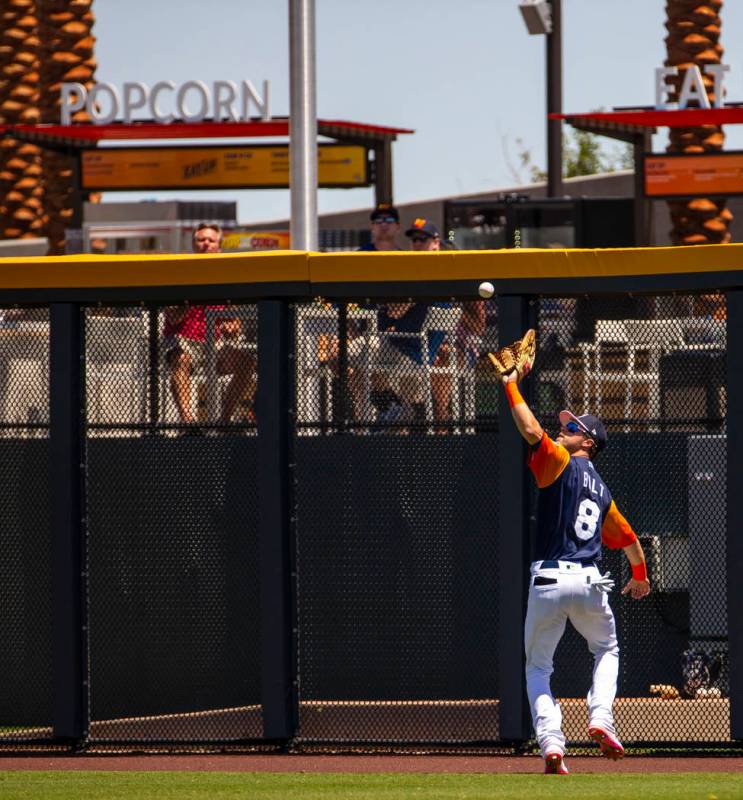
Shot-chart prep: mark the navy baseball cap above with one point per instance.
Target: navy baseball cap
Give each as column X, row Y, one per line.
column 424, row 227
column 591, row 425
column 384, row 210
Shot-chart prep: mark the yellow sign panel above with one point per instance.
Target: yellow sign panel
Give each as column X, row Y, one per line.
column 255, row 240
column 685, row 176
column 257, row 167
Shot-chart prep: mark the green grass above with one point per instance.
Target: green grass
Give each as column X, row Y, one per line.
column 379, row 786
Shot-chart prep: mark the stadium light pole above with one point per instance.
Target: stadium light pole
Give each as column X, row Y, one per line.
column 302, row 125
column 545, row 17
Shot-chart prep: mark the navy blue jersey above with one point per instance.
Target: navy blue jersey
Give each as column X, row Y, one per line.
column 370, row 247
column 573, row 504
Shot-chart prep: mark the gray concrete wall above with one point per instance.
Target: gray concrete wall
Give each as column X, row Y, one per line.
column 617, row 184
column 157, row 210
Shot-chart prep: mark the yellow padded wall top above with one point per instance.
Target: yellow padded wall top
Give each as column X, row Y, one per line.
column 523, row 263
column 277, row 266
column 85, row 271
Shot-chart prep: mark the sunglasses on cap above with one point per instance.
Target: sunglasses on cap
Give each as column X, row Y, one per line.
column 378, row 220
column 420, row 238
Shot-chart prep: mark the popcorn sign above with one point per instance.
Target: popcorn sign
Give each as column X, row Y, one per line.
column 165, row 101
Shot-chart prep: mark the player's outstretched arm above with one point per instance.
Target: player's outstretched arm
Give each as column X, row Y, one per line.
column 526, row 422
column 638, row 585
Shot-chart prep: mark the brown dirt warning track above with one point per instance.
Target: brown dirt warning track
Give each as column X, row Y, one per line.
column 362, row 763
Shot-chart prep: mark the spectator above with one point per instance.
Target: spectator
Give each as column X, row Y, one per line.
column 385, row 225
column 712, row 306
column 469, row 333
column 424, row 235
column 396, row 379
column 184, row 344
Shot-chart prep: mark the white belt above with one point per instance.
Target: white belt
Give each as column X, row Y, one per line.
column 560, row 566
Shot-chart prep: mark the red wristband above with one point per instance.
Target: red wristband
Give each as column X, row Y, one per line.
column 640, row 571
column 513, row 394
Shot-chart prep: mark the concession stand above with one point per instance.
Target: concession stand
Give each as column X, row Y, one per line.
column 142, row 156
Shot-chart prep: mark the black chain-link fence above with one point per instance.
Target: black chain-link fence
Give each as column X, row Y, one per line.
column 398, row 366
column 171, row 472
column 395, row 567
column 26, row 693
column 397, row 549
column 653, row 368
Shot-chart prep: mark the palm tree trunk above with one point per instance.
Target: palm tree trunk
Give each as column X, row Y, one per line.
column 65, row 28
column 694, row 38
column 21, row 192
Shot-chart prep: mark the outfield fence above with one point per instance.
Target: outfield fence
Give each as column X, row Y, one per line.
column 334, row 552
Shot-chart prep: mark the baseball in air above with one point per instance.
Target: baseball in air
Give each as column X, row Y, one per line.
column 486, row 289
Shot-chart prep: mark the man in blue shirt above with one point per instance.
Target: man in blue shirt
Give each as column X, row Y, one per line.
column 385, row 225
column 405, row 352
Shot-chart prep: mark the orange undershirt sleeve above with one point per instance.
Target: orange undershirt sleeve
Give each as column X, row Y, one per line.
column 513, row 393
column 616, row 532
column 547, row 461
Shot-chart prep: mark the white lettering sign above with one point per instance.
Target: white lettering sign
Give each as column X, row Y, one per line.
column 225, row 93
column 192, row 101
column 692, row 87
column 135, row 98
column 155, row 111
column 201, row 92
column 717, row 71
column 662, row 89
column 96, row 107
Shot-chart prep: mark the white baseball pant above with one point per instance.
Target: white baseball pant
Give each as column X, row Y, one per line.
column 572, row 597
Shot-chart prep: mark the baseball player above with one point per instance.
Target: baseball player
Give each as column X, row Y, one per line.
column 576, row 514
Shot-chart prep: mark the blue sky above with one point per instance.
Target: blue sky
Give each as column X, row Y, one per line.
column 465, row 75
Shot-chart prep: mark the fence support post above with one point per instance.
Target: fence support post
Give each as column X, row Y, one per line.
column 513, row 529
column 734, row 561
column 274, row 416
column 66, row 408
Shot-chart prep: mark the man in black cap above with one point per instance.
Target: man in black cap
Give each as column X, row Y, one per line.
column 576, row 515
column 385, row 225
column 424, row 235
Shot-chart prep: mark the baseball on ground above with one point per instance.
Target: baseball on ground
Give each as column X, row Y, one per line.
column 486, row 289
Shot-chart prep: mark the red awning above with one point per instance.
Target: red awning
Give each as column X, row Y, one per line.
column 82, row 135
column 687, row 118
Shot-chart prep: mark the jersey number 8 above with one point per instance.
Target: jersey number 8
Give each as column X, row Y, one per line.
column 587, row 520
